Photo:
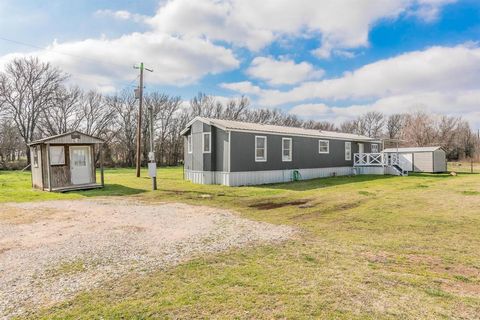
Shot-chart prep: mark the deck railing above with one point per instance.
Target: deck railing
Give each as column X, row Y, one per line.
column 375, row 159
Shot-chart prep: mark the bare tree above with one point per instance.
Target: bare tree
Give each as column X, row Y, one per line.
column 372, row 124
column 351, row 126
column 64, row 114
column 124, row 106
column 203, row 106
column 27, row 87
column 395, row 125
column 98, row 115
column 10, row 141
column 319, row 125
column 235, row 108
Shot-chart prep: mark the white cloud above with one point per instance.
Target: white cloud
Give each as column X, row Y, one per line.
column 243, row 87
column 277, row 72
column 102, row 62
column 310, row 110
column 121, row 15
column 463, row 104
column 434, row 69
column 340, row 24
column 428, row 10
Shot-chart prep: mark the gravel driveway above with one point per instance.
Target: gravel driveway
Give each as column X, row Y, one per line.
column 51, row 250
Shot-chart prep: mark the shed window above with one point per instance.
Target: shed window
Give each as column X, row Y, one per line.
column 348, row 151
column 189, row 143
column 57, row 155
column 35, row 157
column 323, row 146
column 374, row 148
column 260, row 148
column 206, row 142
column 286, row 149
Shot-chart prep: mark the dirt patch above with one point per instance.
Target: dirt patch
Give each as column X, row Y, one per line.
column 424, row 259
column 377, row 257
column 336, row 208
column 78, row 245
column 276, row 205
column 460, row 288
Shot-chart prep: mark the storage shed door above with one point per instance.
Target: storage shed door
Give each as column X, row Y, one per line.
column 406, row 161
column 80, row 164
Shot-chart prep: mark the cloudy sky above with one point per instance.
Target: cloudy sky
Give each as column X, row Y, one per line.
column 325, row 60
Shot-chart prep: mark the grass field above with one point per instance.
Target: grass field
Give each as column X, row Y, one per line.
column 369, row 247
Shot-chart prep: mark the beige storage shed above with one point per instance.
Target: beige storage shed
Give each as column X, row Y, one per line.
column 66, row 162
column 421, row 159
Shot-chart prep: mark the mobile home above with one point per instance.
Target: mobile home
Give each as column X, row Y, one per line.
column 239, row 153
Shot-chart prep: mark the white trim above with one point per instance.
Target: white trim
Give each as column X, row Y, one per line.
column 265, row 147
column 190, row 143
column 348, row 151
column 371, row 148
column 328, row 146
column 289, row 158
column 229, row 150
column 209, row 142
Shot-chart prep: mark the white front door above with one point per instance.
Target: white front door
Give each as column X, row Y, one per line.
column 80, row 165
column 361, row 148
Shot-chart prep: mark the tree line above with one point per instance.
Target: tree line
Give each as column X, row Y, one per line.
column 35, row 102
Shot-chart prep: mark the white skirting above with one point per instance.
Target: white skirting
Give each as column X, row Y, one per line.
column 376, row 170
column 262, row 177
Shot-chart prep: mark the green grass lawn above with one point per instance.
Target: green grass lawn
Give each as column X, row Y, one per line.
column 368, row 247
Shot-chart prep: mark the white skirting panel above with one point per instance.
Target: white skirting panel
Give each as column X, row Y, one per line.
column 370, row 170
column 376, row 170
column 262, row 177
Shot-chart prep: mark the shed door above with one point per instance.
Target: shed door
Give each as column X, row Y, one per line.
column 80, row 165
column 406, row 161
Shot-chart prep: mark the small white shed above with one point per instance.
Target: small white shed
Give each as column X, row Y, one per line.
column 420, row 159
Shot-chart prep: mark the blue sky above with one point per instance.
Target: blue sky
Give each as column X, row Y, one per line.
column 317, row 59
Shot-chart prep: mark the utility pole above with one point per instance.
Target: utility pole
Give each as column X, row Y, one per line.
column 139, row 124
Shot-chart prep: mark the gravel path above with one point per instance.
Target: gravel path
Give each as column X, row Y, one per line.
column 51, row 250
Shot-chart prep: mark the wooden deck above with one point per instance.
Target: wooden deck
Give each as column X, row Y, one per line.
column 86, row 186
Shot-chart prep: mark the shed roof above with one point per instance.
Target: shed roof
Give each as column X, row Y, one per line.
column 68, row 137
column 230, row 125
column 412, row 149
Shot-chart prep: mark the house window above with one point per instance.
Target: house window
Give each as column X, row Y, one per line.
column 260, row 148
column 286, row 149
column 206, row 142
column 348, row 151
column 35, row 157
column 374, row 148
column 323, row 146
column 57, row 155
column 189, row 143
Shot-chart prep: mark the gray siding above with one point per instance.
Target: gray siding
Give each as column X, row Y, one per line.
column 439, row 161
column 220, row 149
column 194, row 160
column 217, row 159
column 423, row 162
column 304, row 153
